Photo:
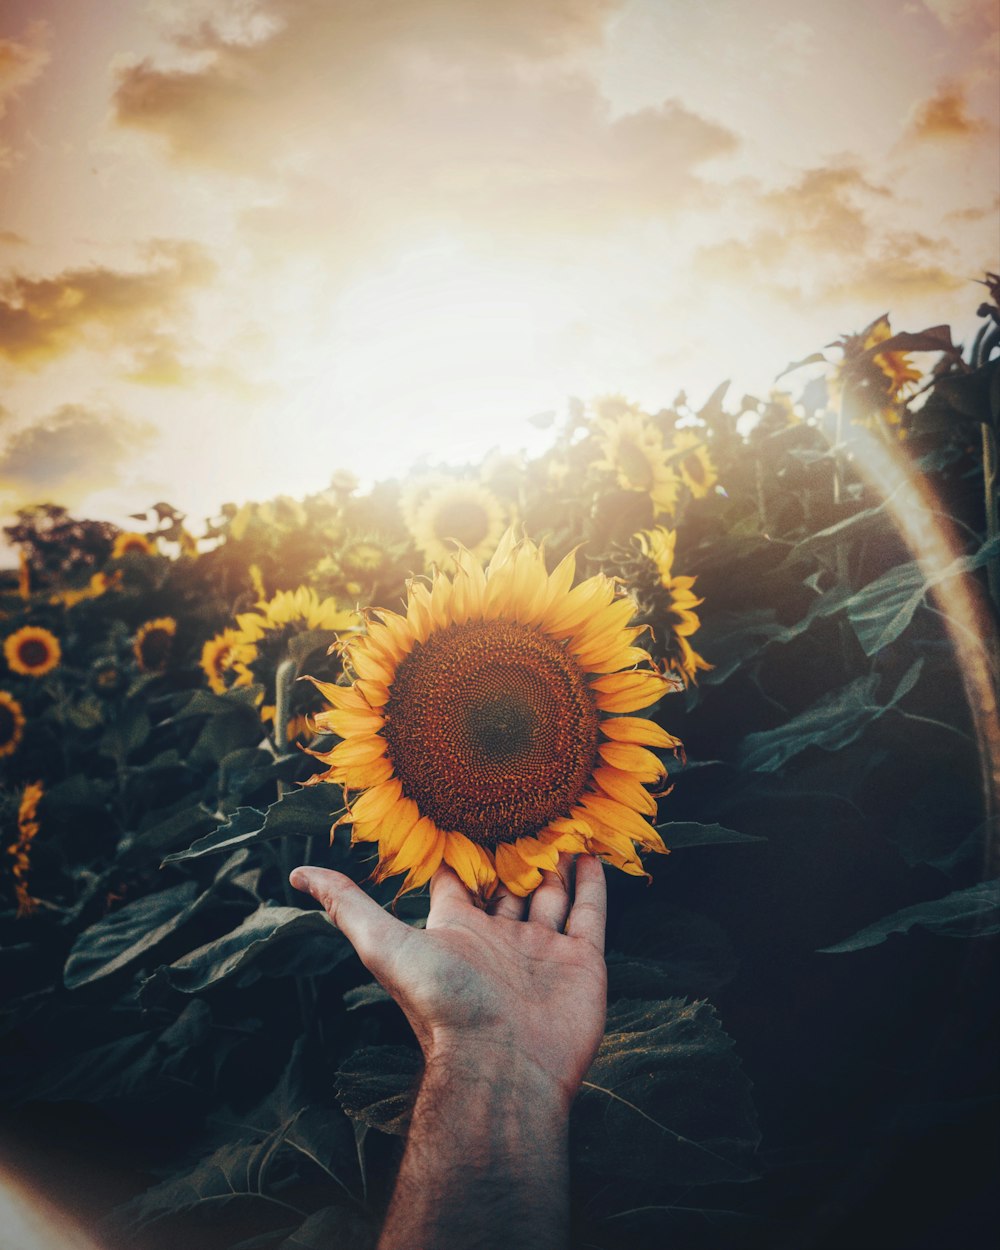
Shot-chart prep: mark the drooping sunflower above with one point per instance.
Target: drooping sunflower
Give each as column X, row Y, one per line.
column 127, row 544
column 689, row 452
column 486, row 726
column 12, row 724
column 463, row 512
column 154, row 641
column 32, row 651
column 878, row 381
column 670, row 601
column 220, row 657
column 20, row 851
column 632, row 448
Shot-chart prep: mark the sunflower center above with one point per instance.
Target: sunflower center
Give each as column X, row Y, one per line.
column 492, row 730
column 8, row 724
column 33, row 653
column 635, row 465
column 463, row 519
column 156, row 649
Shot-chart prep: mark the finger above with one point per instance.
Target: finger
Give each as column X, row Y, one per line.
column 503, row 903
column 373, row 933
column 448, row 896
column 550, row 901
column 588, row 915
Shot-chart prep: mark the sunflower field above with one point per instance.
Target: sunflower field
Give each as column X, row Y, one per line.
column 757, row 633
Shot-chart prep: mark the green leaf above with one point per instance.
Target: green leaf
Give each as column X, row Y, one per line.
column 309, row 810
column 683, row 833
column 974, row 912
column 376, row 1086
column 959, row 398
column 127, row 733
column 835, row 721
column 666, row 1098
column 882, row 610
column 342, row 1227
column 272, row 941
column 127, row 934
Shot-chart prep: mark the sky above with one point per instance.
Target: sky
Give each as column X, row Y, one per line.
column 247, row 243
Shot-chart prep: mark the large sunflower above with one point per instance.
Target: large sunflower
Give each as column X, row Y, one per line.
column 11, row 724
column 670, row 597
column 127, row 544
column 466, row 513
column 32, row 651
column 633, row 450
column 154, row 641
column 485, row 726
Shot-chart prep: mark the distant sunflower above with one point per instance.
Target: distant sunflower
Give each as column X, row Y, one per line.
column 632, row 448
column 220, row 656
column 301, row 608
column 670, row 599
column 20, row 851
column 880, row 381
column 32, row 651
column 153, row 643
column 99, row 584
column 485, row 726
column 466, row 513
column 127, row 544
column 689, row 452
column 11, row 724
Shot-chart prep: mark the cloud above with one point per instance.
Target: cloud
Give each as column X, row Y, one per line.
column 416, row 115
column 833, row 234
column 69, row 455
column 944, row 117
column 10, row 238
column 21, row 61
column 43, row 318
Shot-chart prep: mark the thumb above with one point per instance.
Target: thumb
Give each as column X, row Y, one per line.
column 370, row 930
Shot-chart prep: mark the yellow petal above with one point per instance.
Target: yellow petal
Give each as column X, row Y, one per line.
column 351, row 724
column 629, row 692
column 625, row 789
column 636, row 729
column 358, row 750
column 472, row 863
column 374, row 804
column 520, row 878
column 344, row 697
column 636, row 760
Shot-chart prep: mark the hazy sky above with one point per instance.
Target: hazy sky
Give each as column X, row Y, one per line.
column 244, row 243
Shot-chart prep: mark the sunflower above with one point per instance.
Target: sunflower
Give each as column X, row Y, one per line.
column 99, row 584
column 20, row 851
column 457, row 512
column 669, row 597
column 221, row 655
column 302, row 609
column 32, row 651
column 153, row 643
column 632, row 448
column 690, row 453
column 879, row 380
column 485, row 726
column 11, row 724
column 127, row 544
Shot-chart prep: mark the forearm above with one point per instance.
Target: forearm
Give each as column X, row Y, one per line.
column 486, row 1163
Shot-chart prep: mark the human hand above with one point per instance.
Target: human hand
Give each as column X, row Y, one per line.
column 505, row 988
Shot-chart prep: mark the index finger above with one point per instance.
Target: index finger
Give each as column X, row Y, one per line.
column 589, row 913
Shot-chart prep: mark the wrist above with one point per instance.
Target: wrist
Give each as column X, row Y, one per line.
column 498, row 1075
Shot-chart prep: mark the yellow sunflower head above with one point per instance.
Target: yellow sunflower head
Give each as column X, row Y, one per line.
column 689, row 452
column 20, row 851
column 11, row 724
column 488, row 727
column 127, row 544
column 457, row 512
column 221, row 655
column 669, row 601
column 32, row 651
column 154, row 641
column 632, row 448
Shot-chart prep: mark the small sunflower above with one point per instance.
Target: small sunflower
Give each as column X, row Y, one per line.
column 881, row 381
column 466, row 513
column 12, row 724
column 20, row 851
column 302, row 609
column 632, row 448
column 153, row 643
column 220, row 657
column 32, row 651
column 127, row 544
column 485, row 726
column 671, row 598
column 99, row 584
column 689, row 453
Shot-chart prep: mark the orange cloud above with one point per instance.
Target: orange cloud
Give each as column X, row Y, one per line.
column 421, row 114
column 21, row 61
column 43, row 318
column 945, row 117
